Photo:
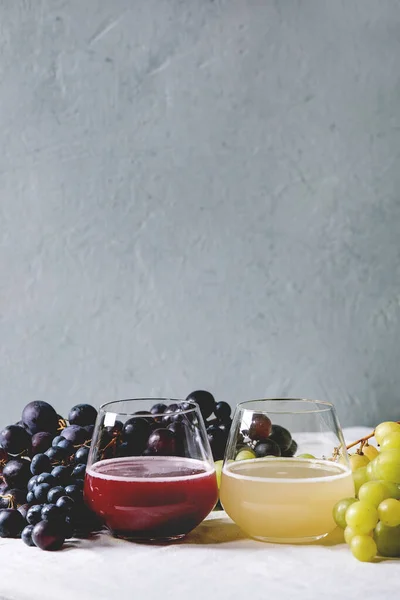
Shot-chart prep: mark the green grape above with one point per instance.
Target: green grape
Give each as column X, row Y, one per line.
column 245, row 454
column 305, row 456
column 387, row 465
column 387, row 540
column 371, row 470
column 393, row 489
column 218, row 471
column 359, row 477
column 339, row 511
column 348, row 535
column 384, row 429
column 370, row 452
column 373, row 492
column 389, row 512
column 357, row 461
column 392, row 440
column 362, row 517
column 363, row 547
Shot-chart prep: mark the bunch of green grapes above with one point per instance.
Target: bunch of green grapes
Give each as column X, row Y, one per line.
column 371, row 521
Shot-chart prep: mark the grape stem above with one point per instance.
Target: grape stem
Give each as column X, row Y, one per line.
column 363, row 440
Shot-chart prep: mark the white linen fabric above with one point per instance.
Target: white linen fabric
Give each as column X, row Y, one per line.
column 216, row 561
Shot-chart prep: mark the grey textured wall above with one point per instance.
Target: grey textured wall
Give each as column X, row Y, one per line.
column 200, row 193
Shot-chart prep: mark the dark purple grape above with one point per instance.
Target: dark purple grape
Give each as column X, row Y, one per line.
column 3, row 487
column 56, row 440
column 267, row 448
column 260, row 427
column 56, row 455
column 226, row 427
column 23, row 509
column 217, row 439
column 222, row 411
column 30, row 497
column 66, row 504
column 48, row 535
column 171, row 414
column 205, row 401
column 79, row 483
column 17, row 496
column 162, row 442
column 41, row 442
column 40, row 416
column 81, row 456
column 32, row 482
column 26, row 535
column 74, row 492
column 281, row 436
column 34, row 514
column 61, row 474
column 181, row 432
column 16, row 473
column 51, row 512
column 75, row 434
column 79, row 472
column 136, row 432
column 11, row 523
column 46, row 478
column 83, row 415
column 15, row 440
column 65, row 446
column 41, row 491
column 158, row 409
column 291, row 450
column 55, row 493
column 89, row 430
column 40, row 464
column 126, row 449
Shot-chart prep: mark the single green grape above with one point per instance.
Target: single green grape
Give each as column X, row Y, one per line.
column 387, row 465
column 384, row 429
column 339, row 511
column 305, row 456
column 391, row 441
column 363, row 547
column 370, row 452
column 218, row 471
column 387, row 540
column 393, row 489
column 357, row 461
column 362, row 517
column 389, row 512
column 349, row 533
column 371, row 470
column 245, row 454
column 359, row 477
column 373, row 492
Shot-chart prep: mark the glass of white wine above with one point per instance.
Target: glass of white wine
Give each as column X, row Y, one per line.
column 285, row 467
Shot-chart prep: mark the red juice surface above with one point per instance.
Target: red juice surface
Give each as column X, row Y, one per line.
column 151, row 497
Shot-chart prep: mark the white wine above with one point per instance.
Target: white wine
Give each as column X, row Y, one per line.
column 284, row 499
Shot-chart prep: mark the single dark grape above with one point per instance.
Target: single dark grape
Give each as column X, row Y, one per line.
column 26, row 535
column 79, row 472
column 75, row 434
column 217, row 439
column 291, row 450
column 41, row 491
column 74, row 492
column 267, row 448
column 158, row 409
column 32, row 482
column 222, row 411
column 136, row 432
column 15, row 440
column 181, row 432
column 114, row 430
column 41, row 442
column 162, row 442
column 55, row 493
column 260, row 427
column 16, row 473
column 65, row 446
column 46, row 478
column 17, row 496
column 11, row 523
column 30, row 497
column 34, row 514
column 186, row 405
column 56, row 455
column 204, row 400
column 226, row 426
column 171, row 414
column 281, row 436
column 52, row 512
column 81, row 456
column 66, row 504
column 48, row 535
column 61, row 475
column 145, row 414
column 56, row 440
column 40, row 416
column 40, row 464
column 82, row 414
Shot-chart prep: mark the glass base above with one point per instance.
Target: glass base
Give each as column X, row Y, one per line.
column 298, row 540
column 130, row 537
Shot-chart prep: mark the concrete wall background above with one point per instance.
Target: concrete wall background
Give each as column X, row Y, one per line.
column 200, row 194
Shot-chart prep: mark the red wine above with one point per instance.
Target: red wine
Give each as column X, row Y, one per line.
column 151, row 497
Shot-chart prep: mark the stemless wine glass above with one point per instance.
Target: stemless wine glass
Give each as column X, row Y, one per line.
column 150, row 473
column 285, row 467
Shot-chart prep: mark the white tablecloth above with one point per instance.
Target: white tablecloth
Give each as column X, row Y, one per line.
column 214, row 561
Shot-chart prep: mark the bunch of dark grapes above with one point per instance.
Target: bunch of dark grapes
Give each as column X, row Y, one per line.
column 263, row 438
column 217, row 418
column 42, row 466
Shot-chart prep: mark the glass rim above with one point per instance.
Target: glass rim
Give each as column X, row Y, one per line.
column 319, row 405
column 104, row 407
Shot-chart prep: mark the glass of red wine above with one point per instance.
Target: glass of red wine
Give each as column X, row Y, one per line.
column 150, row 474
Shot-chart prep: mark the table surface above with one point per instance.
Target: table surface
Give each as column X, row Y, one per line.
column 215, row 561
